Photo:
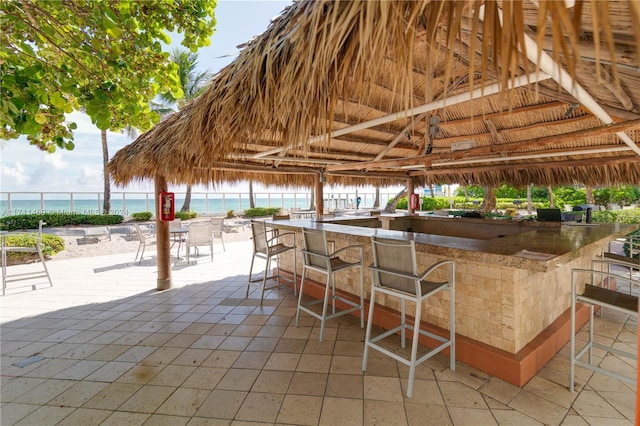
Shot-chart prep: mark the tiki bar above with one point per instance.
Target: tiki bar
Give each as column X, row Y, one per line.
column 419, row 93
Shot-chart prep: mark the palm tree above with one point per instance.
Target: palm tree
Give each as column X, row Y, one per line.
column 192, row 84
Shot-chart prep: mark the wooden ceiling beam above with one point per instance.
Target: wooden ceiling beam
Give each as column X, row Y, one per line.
column 616, row 88
column 530, row 145
column 601, row 161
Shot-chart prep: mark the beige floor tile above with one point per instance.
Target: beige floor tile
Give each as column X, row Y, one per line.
column 346, row 365
column 608, row 422
column 298, row 333
column 342, row 411
column 112, row 396
column 121, row 418
column 538, row 408
column 424, row 392
column 221, row 404
column 386, row 366
column 312, row 384
column 349, row 348
column 262, row 344
column 300, row 410
column 12, row 389
column 271, row 331
column 203, row 421
column 500, row 390
column 513, row 417
column 140, row 374
column 45, row 415
column 312, row 363
column 166, row 420
column 233, row 343
column 136, row 354
column 551, row 391
column 221, row 359
column 172, row 375
column 222, row 329
column 110, row 371
column 81, row 351
column 382, row 389
column 252, row 360
column 183, row 402
column 293, row 346
column 184, row 341
column 282, row 361
column 471, row 416
column 418, row 414
column 459, row 395
column 50, row 368
column 45, row 392
column 13, row 412
column 78, row 394
column 247, row 330
column 344, row 386
column 192, row 357
column 207, row 342
column 205, row 378
column 273, row 382
column 85, row 416
column 238, row 379
column 260, row 407
column 384, row 413
column 163, row 356
column 314, row 346
column 592, row 404
column 108, row 352
column 147, row 399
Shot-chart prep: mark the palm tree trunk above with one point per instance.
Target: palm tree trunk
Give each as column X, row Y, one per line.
column 106, row 204
column 312, row 203
column 529, row 204
column 391, row 205
column 589, row 193
column 376, row 201
column 489, row 201
column 186, row 206
column 252, row 202
column 550, row 191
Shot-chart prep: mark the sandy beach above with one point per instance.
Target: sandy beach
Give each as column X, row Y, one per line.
column 124, row 239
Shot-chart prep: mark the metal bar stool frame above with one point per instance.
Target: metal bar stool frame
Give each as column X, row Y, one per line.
column 316, row 257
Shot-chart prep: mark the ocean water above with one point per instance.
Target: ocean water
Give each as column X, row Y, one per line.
column 127, row 205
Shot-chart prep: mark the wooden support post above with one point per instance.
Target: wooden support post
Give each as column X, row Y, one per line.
column 163, row 240
column 410, row 189
column 319, row 196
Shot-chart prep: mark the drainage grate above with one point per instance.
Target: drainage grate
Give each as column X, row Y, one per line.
column 28, row 361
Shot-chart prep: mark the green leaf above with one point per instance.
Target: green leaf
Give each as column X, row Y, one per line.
column 40, row 118
column 72, row 126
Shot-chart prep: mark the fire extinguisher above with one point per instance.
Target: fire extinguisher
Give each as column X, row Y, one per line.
column 415, row 201
column 167, row 206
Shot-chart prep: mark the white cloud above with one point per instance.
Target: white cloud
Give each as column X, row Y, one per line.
column 90, row 177
column 13, row 176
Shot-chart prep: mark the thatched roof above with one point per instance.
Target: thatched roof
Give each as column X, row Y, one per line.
column 409, row 88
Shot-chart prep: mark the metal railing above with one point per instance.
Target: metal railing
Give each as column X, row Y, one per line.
column 127, row 203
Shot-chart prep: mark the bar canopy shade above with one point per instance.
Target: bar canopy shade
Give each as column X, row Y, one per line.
column 363, row 92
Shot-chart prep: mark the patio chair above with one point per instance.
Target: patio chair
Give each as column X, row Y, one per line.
column 267, row 247
column 24, row 249
column 318, row 258
column 217, row 228
column 146, row 236
column 394, row 273
column 589, row 286
column 200, row 234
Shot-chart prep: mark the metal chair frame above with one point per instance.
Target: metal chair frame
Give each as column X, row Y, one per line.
column 269, row 247
column 24, row 249
column 317, row 257
column 413, row 287
column 594, row 295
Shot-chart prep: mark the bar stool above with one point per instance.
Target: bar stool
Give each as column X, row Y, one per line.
column 595, row 293
column 394, row 273
column 269, row 247
column 317, row 257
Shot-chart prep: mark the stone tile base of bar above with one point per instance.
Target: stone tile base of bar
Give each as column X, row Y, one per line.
column 516, row 369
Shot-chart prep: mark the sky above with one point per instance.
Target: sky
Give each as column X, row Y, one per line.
column 24, row 168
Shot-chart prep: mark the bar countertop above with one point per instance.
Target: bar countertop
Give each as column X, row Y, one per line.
column 538, row 248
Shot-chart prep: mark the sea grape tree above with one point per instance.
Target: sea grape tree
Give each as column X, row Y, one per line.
column 104, row 57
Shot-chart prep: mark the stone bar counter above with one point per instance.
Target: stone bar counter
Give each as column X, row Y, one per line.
column 513, row 280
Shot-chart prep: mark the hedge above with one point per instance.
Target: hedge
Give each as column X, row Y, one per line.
column 261, row 211
column 31, row 221
column 186, row 215
column 142, row 216
column 51, row 244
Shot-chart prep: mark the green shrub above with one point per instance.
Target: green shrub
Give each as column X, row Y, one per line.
column 616, row 216
column 230, row 214
column 51, row 244
column 30, row 221
column 186, row 215
column 142, row 216
column 261, row 211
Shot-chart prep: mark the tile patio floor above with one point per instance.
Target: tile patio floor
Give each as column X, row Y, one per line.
column 117, row 352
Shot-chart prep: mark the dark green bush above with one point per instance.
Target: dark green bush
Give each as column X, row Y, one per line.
column 616, row 216
column 261, row 211
column 51, row 244
column 142, row 216
column 30, row 221
column 186, row 215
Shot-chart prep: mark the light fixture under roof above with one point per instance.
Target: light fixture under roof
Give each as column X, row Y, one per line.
column 462, row 145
